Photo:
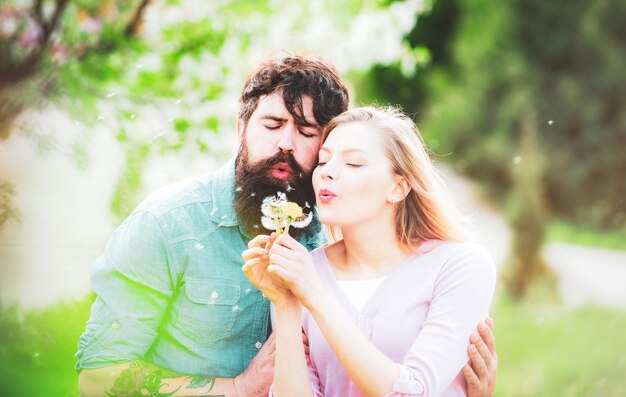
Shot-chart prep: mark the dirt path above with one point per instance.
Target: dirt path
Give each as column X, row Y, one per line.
column 587, row 275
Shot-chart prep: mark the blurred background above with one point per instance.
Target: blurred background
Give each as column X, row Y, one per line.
column 521, row 103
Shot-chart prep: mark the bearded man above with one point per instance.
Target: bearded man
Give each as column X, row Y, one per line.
column 174, row 313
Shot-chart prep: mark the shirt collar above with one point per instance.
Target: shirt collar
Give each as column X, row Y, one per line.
column 223, row 195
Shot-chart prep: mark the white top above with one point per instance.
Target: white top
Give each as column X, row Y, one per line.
column 421, row 316
column 358, row 292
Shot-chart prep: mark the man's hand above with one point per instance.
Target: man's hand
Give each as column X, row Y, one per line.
column 256, row 380
column 255, row 268
column 292, row 265
column 480, row 372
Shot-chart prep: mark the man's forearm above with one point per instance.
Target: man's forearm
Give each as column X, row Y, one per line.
column 140, row 378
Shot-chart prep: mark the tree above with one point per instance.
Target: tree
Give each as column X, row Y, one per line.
column 565, row 58
column 38, row 42
column 570, row 63
column 171, row 90
column 526, row 273
column 24, row 42
column 37, row 39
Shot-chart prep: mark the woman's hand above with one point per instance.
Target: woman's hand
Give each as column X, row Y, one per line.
column 292, row 265
column 255, row 268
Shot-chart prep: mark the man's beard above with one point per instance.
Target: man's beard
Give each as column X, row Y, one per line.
column 254, row 182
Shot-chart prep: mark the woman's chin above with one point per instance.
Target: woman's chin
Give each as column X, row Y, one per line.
column 332, row 220
column 328, row 219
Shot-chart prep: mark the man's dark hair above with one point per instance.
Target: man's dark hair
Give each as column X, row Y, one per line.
column 295, row 77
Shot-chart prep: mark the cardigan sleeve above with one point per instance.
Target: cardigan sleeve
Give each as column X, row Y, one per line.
column 462, row 294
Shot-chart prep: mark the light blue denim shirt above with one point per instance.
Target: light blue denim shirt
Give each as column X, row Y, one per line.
column 169, row 285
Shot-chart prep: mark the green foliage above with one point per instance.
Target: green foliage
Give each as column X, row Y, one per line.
column 431, row 38
column 212, row 124
column 38, row 347
column 181, row 125
column 193, row 39
column 7, row 209
column 128, row 194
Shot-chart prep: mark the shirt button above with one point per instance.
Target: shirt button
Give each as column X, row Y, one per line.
column 360, row 318
column 214, row 295
column 115, row 325
column 258, row 345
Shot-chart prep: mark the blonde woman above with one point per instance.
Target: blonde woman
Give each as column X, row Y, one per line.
column 388, row 310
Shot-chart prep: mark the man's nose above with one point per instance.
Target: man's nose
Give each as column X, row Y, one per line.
column 286, row 141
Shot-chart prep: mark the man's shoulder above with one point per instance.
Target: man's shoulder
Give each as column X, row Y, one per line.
column 196, row 190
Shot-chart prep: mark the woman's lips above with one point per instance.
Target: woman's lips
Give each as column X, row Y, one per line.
column 326, row 196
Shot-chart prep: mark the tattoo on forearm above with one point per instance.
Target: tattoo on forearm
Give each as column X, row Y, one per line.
column 142, row 379
column 201, row 381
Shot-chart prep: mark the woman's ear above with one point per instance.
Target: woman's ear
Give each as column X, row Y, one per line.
column 400, row 190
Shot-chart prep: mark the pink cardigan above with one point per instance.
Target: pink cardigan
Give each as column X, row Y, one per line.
column 421, row 317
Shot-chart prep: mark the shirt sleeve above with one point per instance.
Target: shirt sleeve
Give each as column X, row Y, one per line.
column 461, row 298
column 133, row 283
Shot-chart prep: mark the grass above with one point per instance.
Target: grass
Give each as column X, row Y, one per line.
column 552, row 351
column 570, row 233
column 543, row 350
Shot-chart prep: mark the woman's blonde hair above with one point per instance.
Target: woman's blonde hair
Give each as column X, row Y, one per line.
column 427, row 212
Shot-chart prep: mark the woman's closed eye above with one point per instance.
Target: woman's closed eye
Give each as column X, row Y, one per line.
column 354, row 161
column 349, row 164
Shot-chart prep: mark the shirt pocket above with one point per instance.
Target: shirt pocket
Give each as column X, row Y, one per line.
column 208, row 308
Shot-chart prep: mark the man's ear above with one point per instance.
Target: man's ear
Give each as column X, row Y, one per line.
column 240, row 129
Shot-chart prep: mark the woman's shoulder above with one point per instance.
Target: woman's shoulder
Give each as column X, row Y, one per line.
column 327, row 256
column 463, row 247
column 463, row 254
column 329, row 251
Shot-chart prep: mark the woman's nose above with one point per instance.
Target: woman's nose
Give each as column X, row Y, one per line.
column 328, row 172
